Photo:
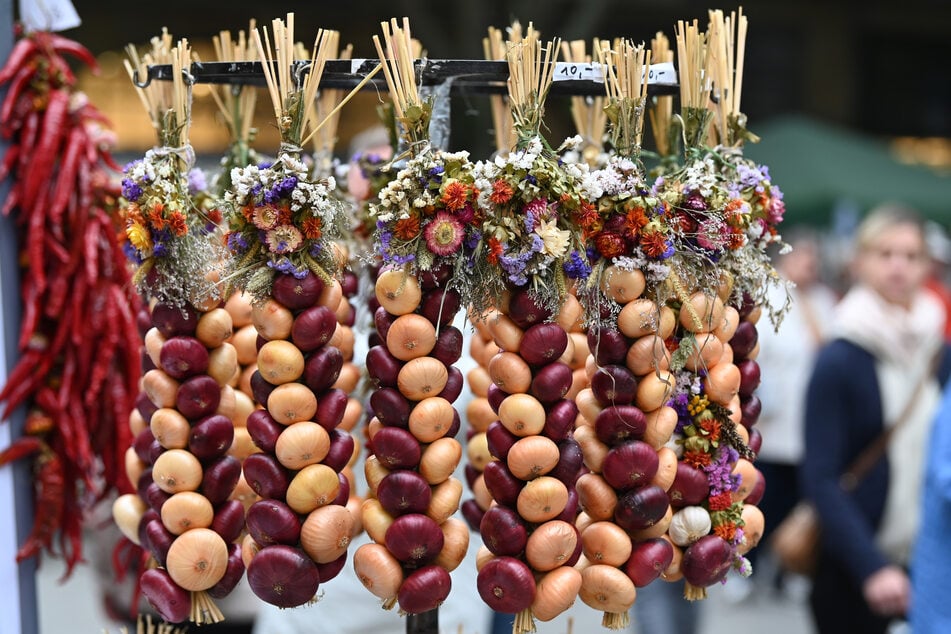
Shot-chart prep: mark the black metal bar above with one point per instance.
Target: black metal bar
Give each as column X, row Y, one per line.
column 468, row 75
column 425, row 623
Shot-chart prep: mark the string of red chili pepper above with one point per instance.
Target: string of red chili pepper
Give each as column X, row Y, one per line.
column 79, row 366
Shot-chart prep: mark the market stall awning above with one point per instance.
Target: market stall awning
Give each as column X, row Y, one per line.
column 819, row 166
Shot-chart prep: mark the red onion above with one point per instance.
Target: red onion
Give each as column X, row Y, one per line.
column 143, row 445
column 211, row 437
column 543, row 343
column 630, row 465
column 641, row 508
column 273, row 522
column 648, row 560
column 495, row 396
column 569, row 462
column 472, row 474
column 525, row 311
column 579, row 545
column 744, row 340
column 506, row 585
column 690, row 486
column 560, row 420
column 174, row 320
column 263, row 429
column 440, row 306
column 404, row 491
column 414, row 539
column 143, row 321
column 499, row 440
column 455, row 426
column 142, row 486
column 390, row 407
column 383, row 367
column 331, row 569
column 283, row 576
column 502, row 485
column 343, row 493
column 750, row 407
column 155, row 496
column 233, row 574
column 472, row 513
column 331, row 407
column 608, row 346
column 313, row 328
column 759, row 489
column 219, row 479
column 198, row 397
column 149, row 516
column 171, row 601
column 265, row 475
column 454, row 384
column 551, row 382
column 614, row 385
column 707, row 561
column 619, row 424
column 435, row 277
column 756, row 440
column 260, row 387
column 570, row 514
column 295, row 293
column 155, row 450
column 424, row 590
column 145, row 406
column 396, row 448
column 322, row 368
column 229, row 520
column 749, row 377
column 341, row 450
column 159, row 540
column 349, row 284
column 503, row 531
column 382, row 320
column 182, row 357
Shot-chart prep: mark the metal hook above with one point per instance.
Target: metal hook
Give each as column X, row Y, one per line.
column 187, row 77
column 299, row 68
column 141, row 84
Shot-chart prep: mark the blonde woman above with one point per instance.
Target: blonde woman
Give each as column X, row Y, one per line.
column 877, row 369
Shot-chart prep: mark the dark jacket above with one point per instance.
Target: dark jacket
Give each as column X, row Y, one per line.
column 843, row 416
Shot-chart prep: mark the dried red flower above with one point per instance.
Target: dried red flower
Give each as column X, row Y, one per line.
column 501, row 192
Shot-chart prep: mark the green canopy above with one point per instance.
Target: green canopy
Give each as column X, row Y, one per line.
column 820, row 167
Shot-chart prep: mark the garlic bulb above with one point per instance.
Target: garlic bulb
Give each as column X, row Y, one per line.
column 688, row 525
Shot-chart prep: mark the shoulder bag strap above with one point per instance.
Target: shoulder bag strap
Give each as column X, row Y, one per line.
column 874, row 452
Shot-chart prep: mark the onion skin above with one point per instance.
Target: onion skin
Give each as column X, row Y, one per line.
column 552, row 382
column 229, row 520
column 424, row 590
column 570, row 462
column 172, row 602
column 543, row 343
column 313, row 328
column 322, row 368
column 502, row 485
column 560, row 420
column 266, row 476
column 404, row 491
column 499, row 440
column 506, row 585
column 211, row 437
column 220, row 478
column 630, row 465
column 414, row 539
column 378, row 570
column 690, row 486
column 648, row 560
column 331, row 569
column 707, row 561
column 175, row 320
column 614, row 385
column 342, row 447
column 273, row 522
column 641, row 508
column 391, row 407
column 440, row 306
column 331, row 408
column 503, row 531
column 525, row 311
column 232, row 576
column 555, row 592
column 297, row 294
column 198, row 397
column 619, row 424
column 197, row 559
column 283, row 576
column 159, row 539
column 396, row 448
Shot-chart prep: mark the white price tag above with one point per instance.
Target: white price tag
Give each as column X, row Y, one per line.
column 355, row 65
column 569, row 71
column 48, row 15
column 664, row 73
